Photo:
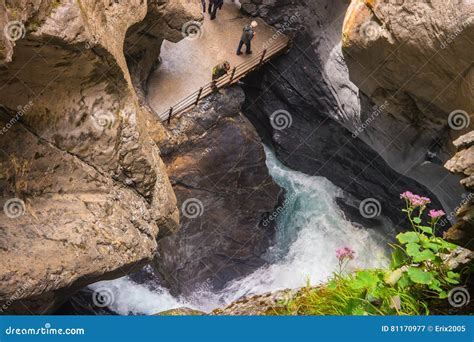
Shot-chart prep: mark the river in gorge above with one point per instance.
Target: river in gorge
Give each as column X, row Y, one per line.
column 309, row 230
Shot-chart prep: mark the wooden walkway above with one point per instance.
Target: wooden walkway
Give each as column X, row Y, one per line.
column 234, row 75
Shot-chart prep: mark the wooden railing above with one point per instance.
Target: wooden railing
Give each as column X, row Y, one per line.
column 232, row 77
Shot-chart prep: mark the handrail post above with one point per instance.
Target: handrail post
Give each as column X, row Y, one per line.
column 169, row 115
column 198, row 97
column 232, row 75
column 244, row 69
column 263, row 56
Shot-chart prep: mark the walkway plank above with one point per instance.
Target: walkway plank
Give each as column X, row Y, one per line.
column 240, row 71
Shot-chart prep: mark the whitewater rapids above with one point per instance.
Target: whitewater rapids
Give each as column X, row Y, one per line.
column 310, row 227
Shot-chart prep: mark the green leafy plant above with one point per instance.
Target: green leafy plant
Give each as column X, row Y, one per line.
column 419, row 259
column 416, row 275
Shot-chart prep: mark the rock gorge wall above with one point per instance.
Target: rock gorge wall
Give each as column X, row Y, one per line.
column 164, row 20
column 216, row 164
column 462, row 232
column 81, row 175
column 311, row 87
column 84, row 191
column 416, row 59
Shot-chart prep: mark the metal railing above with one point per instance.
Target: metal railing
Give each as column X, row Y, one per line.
column 231, row 77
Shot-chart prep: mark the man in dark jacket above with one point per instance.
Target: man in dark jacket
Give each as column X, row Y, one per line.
column 213, row 6
column 246, row 38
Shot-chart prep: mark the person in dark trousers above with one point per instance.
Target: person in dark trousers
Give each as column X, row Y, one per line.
column 203, row 6
column 246, row 38
column 213, row 6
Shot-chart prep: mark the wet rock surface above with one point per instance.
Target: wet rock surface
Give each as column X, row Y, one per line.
column 216, row 164
column 266, row 304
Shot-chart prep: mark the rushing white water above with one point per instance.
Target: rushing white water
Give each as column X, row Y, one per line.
column 310, row 227
column 125, row 297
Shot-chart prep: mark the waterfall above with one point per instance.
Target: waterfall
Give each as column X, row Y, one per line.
column 310, row 227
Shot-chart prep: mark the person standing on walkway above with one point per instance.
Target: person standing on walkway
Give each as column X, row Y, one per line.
column 203, row 6
column 246, row 38
column 213, row 6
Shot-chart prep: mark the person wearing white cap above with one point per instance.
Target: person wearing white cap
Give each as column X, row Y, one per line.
column 246, row 38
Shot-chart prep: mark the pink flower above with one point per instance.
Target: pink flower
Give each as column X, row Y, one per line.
column 415, row 200
column 434, row 214
column 344, row 253
column 407, row 195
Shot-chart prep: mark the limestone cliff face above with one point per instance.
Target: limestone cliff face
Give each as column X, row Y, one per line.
column 312, row 84
column 164, row 20
column 84, row 191
column 462, row 163
column 416, row 60
column 417, row 57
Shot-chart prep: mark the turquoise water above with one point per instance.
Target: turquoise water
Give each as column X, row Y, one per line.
column 310, row 227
